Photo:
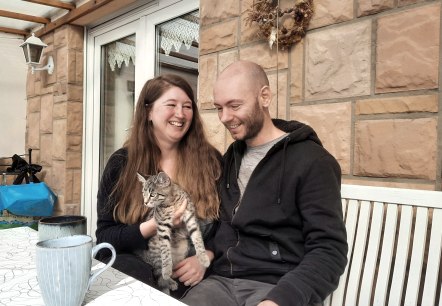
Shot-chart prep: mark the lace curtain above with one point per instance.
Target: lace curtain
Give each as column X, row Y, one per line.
column 183, row 30
column 118, row 53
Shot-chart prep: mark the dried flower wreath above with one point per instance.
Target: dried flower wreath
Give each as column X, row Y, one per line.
column 286, row 26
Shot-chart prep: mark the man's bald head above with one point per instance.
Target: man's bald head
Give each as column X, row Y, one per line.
column 252, row 72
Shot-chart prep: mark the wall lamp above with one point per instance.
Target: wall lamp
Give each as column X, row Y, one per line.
column 33, row 49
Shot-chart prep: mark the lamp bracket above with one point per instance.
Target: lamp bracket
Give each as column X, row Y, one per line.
column 49, row 67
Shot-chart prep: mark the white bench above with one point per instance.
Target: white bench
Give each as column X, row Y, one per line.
column 394, row 238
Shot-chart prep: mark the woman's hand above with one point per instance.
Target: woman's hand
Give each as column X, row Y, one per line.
column 148, row 228
column 178, row 215
column 190, row 271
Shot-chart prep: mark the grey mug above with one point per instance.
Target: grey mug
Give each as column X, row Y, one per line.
column 64, row 268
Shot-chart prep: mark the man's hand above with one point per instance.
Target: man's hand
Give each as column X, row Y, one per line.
column 189, row 271
column 178, row 215
column 267, row 303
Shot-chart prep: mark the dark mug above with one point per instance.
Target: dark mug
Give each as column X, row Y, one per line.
column 61, row 226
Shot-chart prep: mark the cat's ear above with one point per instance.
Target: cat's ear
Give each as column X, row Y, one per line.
column 163, row 179
column 141, row 178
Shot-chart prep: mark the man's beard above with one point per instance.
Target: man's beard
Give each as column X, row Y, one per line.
column 254, row 123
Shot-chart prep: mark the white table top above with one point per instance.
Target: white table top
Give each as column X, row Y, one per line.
column 19, row 284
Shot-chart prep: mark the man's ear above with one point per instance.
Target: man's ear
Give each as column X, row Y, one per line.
column 265, row 96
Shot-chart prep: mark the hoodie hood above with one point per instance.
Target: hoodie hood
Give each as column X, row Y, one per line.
column 297, row 131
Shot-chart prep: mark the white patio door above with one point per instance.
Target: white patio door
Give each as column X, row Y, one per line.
column 120, row 56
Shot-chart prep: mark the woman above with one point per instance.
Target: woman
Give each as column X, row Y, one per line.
column 166, row 135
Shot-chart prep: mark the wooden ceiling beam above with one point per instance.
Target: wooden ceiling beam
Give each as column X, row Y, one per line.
column 53, row 3
column 14, row 31
column 25, row 17
column 73, row 15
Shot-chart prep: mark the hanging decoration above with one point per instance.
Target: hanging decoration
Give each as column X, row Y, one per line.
column 182, row 30
column 119, row 53
column 285, row 27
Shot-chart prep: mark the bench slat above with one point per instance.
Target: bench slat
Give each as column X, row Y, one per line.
column 417, row 256
column 380, row 296
column 327, row 301
column 358, row 253
column 372, row 254
column 350, row 224
column 433, row 262
column 401, row 256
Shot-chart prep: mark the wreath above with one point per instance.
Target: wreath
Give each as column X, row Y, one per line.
column 286, row 27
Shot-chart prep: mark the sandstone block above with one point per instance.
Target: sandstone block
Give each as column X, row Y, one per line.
column 218, row 37
column 46, row 114
column 34, row 104
column 404, row 148
column 74, row 92
column 68, row 186
column 407, row 2
column 60, row 110
column 338, row 62
column 249, row 31
column 33, row 131
column 278, row 86
column 213, row 11
column 73, row 160
column 330, row 11
column 59, row 140
column 76, row 190
column 208, row 72
column 214, row 130
column 406, row 104
column 61, row 36
column 368, row 7
column 45, row 150
column 59, row 177
column 261, row 54
column 226, row 58
column 75, row 37
column 74, row 143
column 383, row 183
column 296, row 56
column 75, row 118
column 332, row 123
column 408, row 52
column 62, row 64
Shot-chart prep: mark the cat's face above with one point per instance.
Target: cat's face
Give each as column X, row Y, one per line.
column 154, row 189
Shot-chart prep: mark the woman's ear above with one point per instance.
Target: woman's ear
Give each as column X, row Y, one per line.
column 265, row 96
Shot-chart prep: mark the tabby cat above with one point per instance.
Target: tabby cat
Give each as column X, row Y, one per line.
column 170, row 245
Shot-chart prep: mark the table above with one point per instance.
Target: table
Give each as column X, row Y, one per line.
column 19, row 284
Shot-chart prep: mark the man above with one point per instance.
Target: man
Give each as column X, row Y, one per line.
column 281, row 239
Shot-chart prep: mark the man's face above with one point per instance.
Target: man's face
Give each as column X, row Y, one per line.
column 238, row 107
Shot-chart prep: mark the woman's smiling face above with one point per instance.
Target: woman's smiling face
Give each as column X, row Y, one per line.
column 171, row 116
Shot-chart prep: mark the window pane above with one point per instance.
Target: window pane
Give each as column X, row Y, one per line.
column 117, row 94
column 177, row 44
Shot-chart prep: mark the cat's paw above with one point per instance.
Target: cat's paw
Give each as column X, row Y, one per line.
column 173, row 285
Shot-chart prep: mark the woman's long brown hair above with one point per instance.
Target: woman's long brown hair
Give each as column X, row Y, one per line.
column 198, row 165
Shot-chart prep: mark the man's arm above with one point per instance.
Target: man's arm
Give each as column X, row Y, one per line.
column 325, row 247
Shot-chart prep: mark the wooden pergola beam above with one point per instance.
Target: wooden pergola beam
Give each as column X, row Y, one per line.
column 73, row 15
column 53, row 3
column 14, row 31
column 25, row 17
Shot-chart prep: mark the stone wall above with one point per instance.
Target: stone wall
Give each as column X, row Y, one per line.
column 55, row 117
column 365, row 77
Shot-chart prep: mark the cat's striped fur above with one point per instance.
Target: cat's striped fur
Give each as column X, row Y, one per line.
column 170, row 245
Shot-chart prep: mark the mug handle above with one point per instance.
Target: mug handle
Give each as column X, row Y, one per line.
column 95, row 249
